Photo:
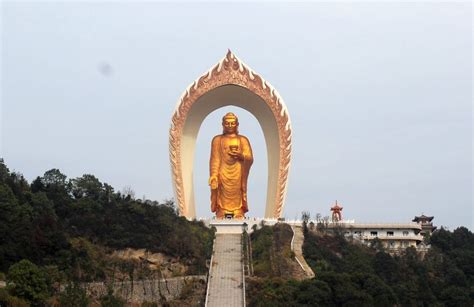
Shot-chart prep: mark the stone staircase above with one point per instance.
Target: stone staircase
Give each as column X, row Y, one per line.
column 226, row 283
column 297, row 248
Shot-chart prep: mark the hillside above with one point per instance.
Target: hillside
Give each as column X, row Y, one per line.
column 271, row 252
column 351, row 274
column 74, row 231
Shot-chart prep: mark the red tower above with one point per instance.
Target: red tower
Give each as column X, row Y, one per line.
column 336, row 213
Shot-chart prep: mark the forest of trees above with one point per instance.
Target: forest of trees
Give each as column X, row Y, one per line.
column 59, row 231
column 56, row 229
column 352, row 274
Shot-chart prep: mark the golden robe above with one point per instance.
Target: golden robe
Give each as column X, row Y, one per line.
column 230, row 197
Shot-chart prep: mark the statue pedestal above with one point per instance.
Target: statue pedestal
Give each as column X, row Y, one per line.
column 229, row 226
column 238, row 226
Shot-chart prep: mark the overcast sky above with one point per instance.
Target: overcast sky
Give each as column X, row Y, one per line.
column 380, row 98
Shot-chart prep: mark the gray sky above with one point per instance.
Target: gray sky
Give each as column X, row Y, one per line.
column 380, row 97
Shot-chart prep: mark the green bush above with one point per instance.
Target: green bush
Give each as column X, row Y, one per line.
column 74, row 296
column 11, row 301
column 28, row 281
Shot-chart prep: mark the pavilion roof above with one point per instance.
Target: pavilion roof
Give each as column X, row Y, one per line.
column 423, row 218
column 336, row 207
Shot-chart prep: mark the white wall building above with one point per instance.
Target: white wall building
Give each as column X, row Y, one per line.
column 394, row 237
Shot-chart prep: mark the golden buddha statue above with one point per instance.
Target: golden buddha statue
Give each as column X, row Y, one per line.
column 231, row 159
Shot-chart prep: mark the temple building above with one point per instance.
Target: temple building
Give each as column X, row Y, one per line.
column 395, row 237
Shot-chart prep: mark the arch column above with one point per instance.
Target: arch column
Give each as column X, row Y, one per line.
column 230, row 82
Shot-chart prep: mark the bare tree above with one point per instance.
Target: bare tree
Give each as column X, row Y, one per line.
column 127, row 191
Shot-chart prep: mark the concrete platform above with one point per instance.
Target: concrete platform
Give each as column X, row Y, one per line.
column 237, row 226
column 229, row 226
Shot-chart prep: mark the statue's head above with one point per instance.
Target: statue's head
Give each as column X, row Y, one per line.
column 230, row 123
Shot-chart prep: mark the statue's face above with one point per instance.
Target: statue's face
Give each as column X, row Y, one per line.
column 230, row 125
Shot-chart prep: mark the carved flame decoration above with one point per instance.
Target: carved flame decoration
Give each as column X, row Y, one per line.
column 230, row 71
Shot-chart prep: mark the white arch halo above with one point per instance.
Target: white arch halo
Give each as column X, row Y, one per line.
column 230, row 82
